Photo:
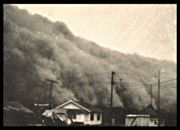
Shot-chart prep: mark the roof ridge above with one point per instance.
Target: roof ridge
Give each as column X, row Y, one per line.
column 76, row 103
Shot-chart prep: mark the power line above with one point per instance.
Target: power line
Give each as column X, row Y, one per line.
column 170, row 80
column 50, row 92
column 137, row 84
column 112, row 84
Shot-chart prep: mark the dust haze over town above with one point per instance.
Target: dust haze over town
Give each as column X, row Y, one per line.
column 148, row 30
column 80, row 45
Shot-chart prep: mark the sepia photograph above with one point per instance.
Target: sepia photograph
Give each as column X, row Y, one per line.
column 90, row 65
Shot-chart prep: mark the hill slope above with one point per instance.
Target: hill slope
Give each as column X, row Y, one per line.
column 36, row 49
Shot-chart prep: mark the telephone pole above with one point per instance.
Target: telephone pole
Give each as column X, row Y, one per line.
column 151, row 93
column 159, row 85
column 112, row 83
column 50, row 93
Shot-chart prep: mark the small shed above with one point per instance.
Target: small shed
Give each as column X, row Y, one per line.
column 137, row 120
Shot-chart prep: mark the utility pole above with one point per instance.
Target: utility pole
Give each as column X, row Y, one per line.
column 159, row 85
column 120, row 82
column 112, row 83
column 50, row 93
column 151, row 93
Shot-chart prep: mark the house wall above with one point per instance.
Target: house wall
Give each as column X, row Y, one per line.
column 85, row 117
column 137, row 121
column 88, row 120
column 141, row 121
column 79, row 118
column 153, row 122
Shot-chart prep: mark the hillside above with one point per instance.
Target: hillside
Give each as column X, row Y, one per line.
column 36, row 49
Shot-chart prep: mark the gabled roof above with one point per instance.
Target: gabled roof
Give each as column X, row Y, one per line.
column 92, row 108
column 49, row 113
column 150, row 110
column 75, row 103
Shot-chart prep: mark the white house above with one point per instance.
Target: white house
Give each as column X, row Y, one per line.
column 137, row 120
column 140, row 120
column 81, row 114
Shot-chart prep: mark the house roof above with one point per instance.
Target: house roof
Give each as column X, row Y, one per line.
column 150, row 110
column 75, row 103
column 49, row 113
column 136, row 115
column 59, row 111
column 83, row 106
column 16, row 106
column 91, row 107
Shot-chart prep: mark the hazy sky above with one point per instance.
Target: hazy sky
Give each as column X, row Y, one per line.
column 149, row 30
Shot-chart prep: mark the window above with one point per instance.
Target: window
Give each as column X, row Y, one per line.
column 92, row 117
column 73, row 116
column 98, row 116
column 156, row 122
